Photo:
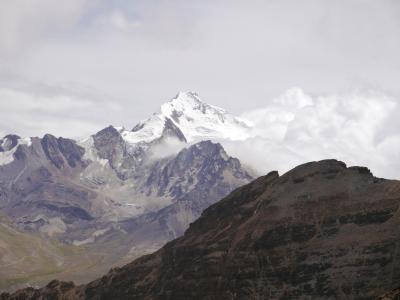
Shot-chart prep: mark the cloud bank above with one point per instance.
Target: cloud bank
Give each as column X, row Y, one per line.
column 23, row 22
column 235, row 53
column 37, row 110
column 359, row 127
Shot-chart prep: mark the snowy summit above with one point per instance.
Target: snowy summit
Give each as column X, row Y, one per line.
column 194, row 118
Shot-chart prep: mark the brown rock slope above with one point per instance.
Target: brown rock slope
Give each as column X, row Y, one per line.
column 319, row 231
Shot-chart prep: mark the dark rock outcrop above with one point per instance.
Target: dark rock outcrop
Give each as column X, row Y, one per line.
column 170, row 130
column 54, row 290
column 61, row 151
column 72, row 152
column 392, row 295
column 8, row 142
column 320, row 231
column 110, row 145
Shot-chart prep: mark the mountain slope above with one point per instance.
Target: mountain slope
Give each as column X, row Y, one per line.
column 27, row 257
column 196, row 178
column 322, row 230
column 38, row 189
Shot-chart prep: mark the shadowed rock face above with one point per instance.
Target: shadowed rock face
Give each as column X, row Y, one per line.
column 170, row 130
column 197, row 168
column 61, row 151
column 392, row 295
column 320, row 231
column 38, row 183
column 109, row 145
column 9, row 142
column 54, row 290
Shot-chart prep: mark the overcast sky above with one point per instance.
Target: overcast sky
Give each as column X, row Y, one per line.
column 72, row 67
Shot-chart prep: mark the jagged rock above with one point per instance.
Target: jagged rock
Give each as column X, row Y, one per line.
column 392, row 295
column 171, row 130
column 54, row 290
column 8, row 142
column 61, row 151
column 72, row 152
column 52, row 150
column 110, row 145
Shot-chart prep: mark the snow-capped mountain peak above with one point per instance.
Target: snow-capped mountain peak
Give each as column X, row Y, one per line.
column 8, row 146
column 145, row 131
column 198, row 120
column 185, row 102
column 195, row 119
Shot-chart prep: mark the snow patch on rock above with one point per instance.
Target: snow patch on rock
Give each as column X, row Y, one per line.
column 7, row 157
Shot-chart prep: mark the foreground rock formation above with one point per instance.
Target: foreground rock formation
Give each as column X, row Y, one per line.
column 322, row 230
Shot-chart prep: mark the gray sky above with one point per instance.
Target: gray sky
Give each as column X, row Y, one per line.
column 73, row 67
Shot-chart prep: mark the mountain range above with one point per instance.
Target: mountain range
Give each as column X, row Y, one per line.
column 116, row 194
column 166, row 212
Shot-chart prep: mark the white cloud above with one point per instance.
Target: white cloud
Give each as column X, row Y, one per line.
column 29, row 112
column 26, row 21
column 235, row 53
column 167, row 147
column 116, row 20
column 296, row 128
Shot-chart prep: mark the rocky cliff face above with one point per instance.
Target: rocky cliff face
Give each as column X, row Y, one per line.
column 8, row 142
column 38, row 189
column 322, row 231
column 196, row 178
column 392, row 295
column 62, row 151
